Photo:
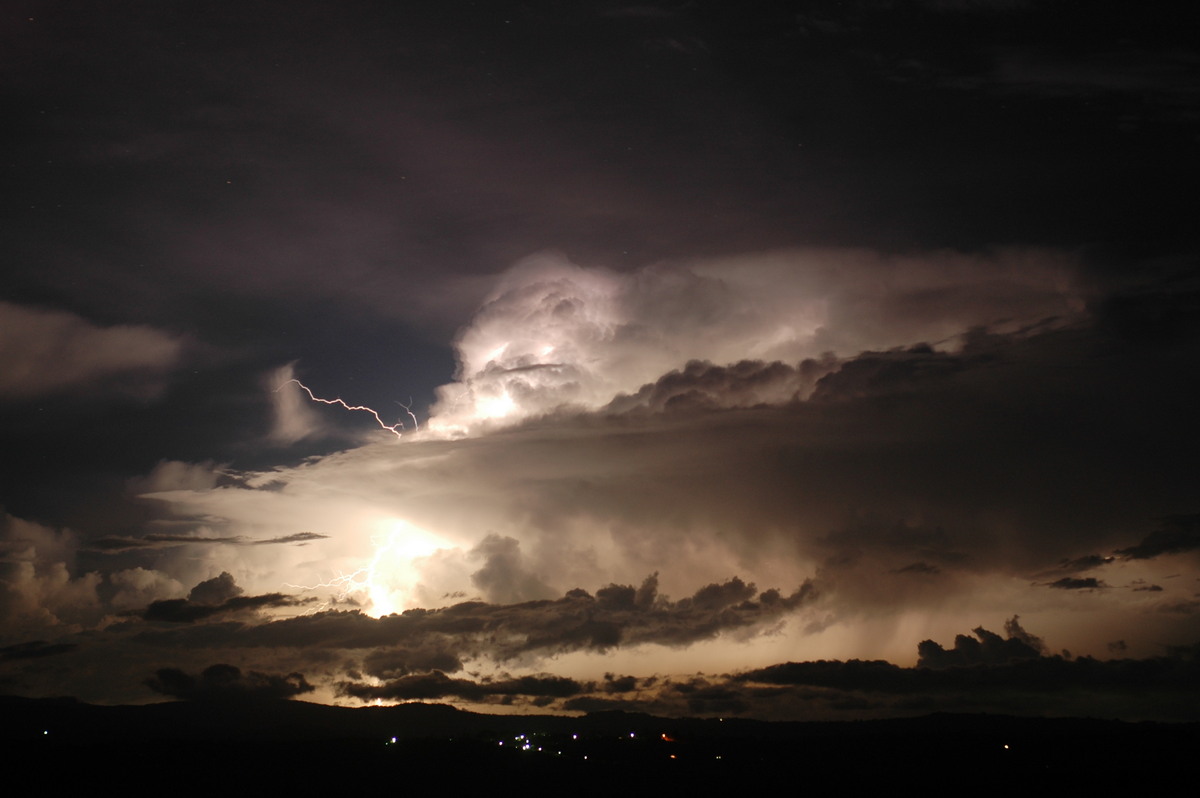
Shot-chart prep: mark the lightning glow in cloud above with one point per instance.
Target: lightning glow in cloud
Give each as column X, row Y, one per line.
column 554, row 334
column 387, row 582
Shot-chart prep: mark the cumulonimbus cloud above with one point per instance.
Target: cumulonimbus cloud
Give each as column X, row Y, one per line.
column 554, row 334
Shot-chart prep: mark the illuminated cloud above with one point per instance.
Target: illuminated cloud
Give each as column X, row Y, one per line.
column 638, row 438
column 45, row 352
column 554, row 334
column 294, row 416
column 39, row 594
column 177, row 475
column 135, row 588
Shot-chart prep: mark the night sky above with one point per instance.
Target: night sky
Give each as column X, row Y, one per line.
column 805, row 360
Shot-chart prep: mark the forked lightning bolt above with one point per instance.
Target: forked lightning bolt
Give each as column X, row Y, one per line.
column 392, row 428
column 345, row 584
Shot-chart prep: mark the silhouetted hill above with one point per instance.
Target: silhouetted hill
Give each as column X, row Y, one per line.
column 305, row 748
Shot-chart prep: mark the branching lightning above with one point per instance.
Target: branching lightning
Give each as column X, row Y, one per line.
column 392, row 428
column 408, row 409
column 345, row 584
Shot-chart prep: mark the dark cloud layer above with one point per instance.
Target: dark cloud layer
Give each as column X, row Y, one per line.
column 989, row 649
column 987, row 672
column 189, row 611
column 436, row 685
column 1176, row 535
column 1078, row 583
column 35, row 649
column 227, row 683
column 161, row 540
column 617, row 616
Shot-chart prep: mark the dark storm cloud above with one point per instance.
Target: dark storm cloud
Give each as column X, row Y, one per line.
column 438, row 685
column 433, row 654
column 619, row 684
column 875, row 373
column 187, row 611
column 989, row 649
column 1157, row 78
column 215, row 591
column 617, row 616
column 35, row 649
column 1177, row 534
column 227, row 683
column 160, row 540
column 1078, row 583
column 153, row 541
column 1079, row 564
column 1164, row 313
column 299, row 537
column 1014, row 631
column 1033, row 673
column 1026, row 672
column 701, row 385
column 987, row 672
column 923, row 568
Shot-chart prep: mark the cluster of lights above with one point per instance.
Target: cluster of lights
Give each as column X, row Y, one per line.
column 525, row 742
column 529, row 743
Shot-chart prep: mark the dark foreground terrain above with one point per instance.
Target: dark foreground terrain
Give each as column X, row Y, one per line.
column 307, row 749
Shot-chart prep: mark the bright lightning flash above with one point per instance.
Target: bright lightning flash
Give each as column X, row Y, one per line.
column 386, row 582
column 495, row 406
column 392, row 428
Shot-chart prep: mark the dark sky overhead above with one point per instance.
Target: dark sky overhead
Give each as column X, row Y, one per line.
column 694, row 358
